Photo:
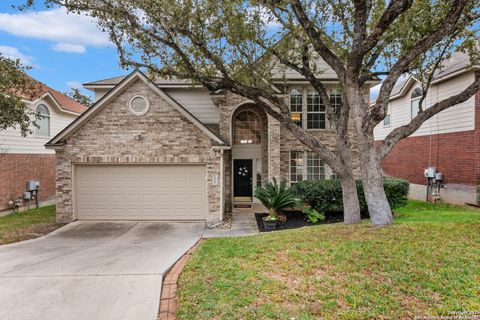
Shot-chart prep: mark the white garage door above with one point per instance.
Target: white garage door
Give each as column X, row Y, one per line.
column 133, row 192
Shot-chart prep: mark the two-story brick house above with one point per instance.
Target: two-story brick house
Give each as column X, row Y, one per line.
column 169, row 150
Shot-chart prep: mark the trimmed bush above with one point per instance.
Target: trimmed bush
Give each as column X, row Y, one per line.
column 326, row 195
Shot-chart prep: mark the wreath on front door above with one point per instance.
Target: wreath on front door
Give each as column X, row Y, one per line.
column 242, row 171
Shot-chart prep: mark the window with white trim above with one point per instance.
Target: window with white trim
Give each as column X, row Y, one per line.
column 315, row 167
column 315, row 111
column 42, row 121
column 415, row 103
column 388, row 115
column 296, row 106
column 336, row 98
column 296, row 167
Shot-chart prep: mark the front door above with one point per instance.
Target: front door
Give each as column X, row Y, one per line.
column 242, row 181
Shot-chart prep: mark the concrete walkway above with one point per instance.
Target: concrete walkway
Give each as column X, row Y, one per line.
column 243, row 224
column 92, row 270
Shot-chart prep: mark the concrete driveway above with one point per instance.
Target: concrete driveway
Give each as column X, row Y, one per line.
column 92, row 270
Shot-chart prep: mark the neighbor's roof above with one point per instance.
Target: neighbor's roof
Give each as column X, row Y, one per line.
column 458, row 62
column 63, row 101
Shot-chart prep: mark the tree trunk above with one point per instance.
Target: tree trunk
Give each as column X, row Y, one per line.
column 372, row 180
column 351, row 206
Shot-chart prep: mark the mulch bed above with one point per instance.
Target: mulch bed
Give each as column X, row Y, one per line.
column 297, row 219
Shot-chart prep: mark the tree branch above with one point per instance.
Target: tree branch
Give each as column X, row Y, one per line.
column 448, row 26
column 318, row 44
column 404, row 131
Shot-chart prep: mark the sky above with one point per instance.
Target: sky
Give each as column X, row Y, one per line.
column 64, row 50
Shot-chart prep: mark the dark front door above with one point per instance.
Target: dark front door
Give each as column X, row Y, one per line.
column 242, row 181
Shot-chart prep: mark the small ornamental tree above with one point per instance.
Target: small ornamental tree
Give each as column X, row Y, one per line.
column 15, row 85
column 235, row 44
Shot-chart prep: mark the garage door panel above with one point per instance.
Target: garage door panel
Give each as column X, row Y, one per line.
column 168, row 192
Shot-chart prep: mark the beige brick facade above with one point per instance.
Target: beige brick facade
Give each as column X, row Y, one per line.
column 167, row 138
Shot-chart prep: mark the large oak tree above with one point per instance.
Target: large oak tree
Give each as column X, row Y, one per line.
column 235, row 44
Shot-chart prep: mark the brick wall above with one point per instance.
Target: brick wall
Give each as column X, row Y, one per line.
column 456, row 155
column 168, row 138
column 286, row 141
column 17, row 169
column 453, row 154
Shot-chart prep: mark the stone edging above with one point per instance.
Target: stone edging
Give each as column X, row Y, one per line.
column 168, row 299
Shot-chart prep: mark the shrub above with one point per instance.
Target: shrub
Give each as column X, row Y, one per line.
column 275, row 197
column 313, row 215
column 326, row 195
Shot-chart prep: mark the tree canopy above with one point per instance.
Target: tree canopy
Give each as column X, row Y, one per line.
column 240, row 45
column 15, row 85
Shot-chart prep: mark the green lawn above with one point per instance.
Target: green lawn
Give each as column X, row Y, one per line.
column 27, row 224
column 428, row 263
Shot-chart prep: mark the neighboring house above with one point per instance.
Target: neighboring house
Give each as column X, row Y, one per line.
column 26, row 158
column 449, row 141
column 170, row 150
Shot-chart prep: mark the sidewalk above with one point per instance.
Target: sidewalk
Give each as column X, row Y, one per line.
column 243, row 224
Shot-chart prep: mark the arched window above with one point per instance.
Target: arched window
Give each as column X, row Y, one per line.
column 296, row 106
column 415, row 107
column 42, row 121
column 247, row 128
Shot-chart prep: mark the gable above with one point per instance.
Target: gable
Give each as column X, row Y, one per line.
column 113, row 94
column 114, row 130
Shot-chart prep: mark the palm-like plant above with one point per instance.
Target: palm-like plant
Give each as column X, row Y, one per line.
column 275, row 197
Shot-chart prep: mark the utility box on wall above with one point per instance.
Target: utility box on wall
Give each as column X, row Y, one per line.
column 32, row 185
column 430, row 172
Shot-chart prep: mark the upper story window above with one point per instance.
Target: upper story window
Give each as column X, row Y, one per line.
column 415, row 103
column 42, row 121
column 247, row 128
column 316, row 117
column 296, row 106
column 388, row 115
column 336, row 98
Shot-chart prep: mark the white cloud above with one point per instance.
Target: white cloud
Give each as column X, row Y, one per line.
column 14, row 53
column 67, row 47
column 70, row 32
column 74, row 85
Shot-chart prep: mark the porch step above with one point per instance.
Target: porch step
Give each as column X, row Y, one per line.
column 242, row 205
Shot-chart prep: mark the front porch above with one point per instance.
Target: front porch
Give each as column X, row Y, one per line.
column 254, row 157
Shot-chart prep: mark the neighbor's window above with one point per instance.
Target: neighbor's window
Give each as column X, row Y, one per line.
column 247, row 128
column 315, row 167
column 315, row 111
column 388, row 115
column 42, row 121
column 296, row 167
column 296, row 106
column 415, row 107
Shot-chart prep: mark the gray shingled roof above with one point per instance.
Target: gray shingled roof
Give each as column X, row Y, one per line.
column 456, row 62
column 117, row 80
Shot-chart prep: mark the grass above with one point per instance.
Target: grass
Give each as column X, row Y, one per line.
column 27, row 224
column 426, row 264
